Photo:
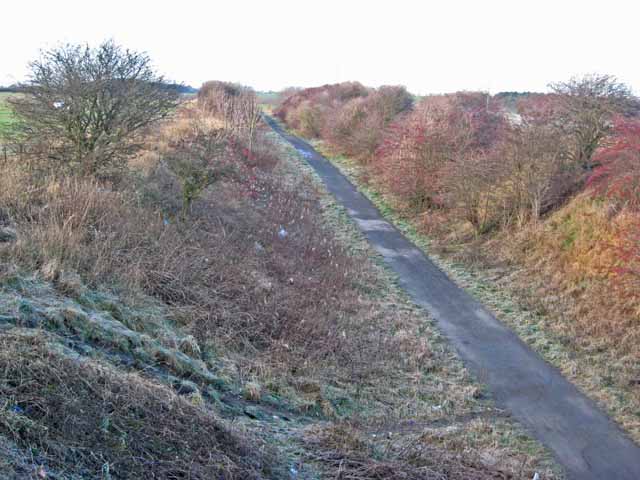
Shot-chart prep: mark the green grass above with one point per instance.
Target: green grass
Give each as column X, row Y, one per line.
column 6, row 116
column 268, row 97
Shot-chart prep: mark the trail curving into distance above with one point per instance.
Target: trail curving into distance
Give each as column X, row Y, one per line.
column 585, row 441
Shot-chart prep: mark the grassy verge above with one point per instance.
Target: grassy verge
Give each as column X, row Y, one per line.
column 511, row 293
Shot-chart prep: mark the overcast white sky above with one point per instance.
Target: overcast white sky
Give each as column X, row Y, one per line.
column 430, row 47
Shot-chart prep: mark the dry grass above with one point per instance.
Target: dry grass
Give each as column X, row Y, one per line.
column 80, row 418
column 575, row 250
column 345, row 453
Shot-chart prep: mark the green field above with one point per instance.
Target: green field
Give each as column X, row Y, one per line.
column 5, row 112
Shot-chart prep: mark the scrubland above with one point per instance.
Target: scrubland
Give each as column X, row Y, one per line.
column 188, row 302
column 530, row 201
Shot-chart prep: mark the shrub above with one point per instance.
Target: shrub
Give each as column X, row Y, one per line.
column 617, row 179
column 344, row 123
column 308, row 119
column 217, row 98
column 84, row 109
column 617, row 175
column 587, row 105
column 308, row 111
column 440, row 155
column 328, row 95
column 470, row 183
column 356, row 128
column 535, row 174
column 539, row 109
column 197, row 162
column 390, row 101
column 412, row 156
column 343, row 92
column 236, row 105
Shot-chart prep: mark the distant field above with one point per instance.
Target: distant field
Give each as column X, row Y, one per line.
column 5, row 113
column 269, row 98
column 268, row 101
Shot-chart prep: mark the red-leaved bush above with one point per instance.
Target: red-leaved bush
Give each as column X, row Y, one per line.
column 350, row 117
column 306, row 110
column 361, row 124
column 617, row 175
column 428, row 154
column 486, row 160
column 617, row 178
column 413, row 154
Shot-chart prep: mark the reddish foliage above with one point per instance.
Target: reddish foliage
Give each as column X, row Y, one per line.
column 617, row 178
column 325, row 97
column 251, row 166
column 357, row 127
column 480, row 117
column 412, row 155
column 348, row 116
column 617, row 175
column 420, row 148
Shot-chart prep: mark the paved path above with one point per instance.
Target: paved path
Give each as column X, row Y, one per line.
column 584, row 440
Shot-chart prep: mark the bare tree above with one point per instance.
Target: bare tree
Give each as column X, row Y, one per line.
column 587, row 106
column 249, row 113
column 218, row 98
column 536, row 174
column 90, row 105
column 236, row 105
